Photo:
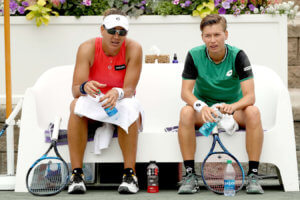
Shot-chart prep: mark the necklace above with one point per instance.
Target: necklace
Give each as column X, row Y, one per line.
column 223, row 57
column 110, row 63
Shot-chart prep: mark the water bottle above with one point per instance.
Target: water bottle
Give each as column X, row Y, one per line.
column 229, row 180
column 207, row 127
column 152, row 177
column 112, row 113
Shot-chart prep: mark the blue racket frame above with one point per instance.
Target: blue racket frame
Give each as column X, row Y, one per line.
column 211, row 152
column 45, row 157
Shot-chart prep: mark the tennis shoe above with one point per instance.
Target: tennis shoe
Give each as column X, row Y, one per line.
column 189, row 184
column 253, row 186
column 77, row 185
column 129, row 184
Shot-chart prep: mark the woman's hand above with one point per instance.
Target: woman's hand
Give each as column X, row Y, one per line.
column 92, row 87
column 110, row 99
column 226, row 108
column 207, row 114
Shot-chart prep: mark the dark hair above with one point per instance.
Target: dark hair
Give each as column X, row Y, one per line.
column 113, row 11
column 213, row 19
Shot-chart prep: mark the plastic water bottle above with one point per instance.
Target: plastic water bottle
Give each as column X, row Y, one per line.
column 152, row 177
column 229, row 180
column 112, row 113
column 207, row 127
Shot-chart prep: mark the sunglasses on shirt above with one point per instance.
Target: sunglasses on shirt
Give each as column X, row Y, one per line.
column 113, row 31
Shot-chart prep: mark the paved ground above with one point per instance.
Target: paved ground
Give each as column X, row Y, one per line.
column 271, row 193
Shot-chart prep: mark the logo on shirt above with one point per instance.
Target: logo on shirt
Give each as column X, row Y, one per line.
column 229, row 73
column 120, row 67
column 247, row 68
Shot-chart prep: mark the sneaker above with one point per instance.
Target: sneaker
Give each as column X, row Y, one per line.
column 77, row 185
column 253, row 186
column 129, row 184
column 189, row 184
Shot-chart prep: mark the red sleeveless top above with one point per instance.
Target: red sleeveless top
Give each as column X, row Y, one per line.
column 109, row 70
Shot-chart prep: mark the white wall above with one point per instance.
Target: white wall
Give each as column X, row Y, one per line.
column 34, row 50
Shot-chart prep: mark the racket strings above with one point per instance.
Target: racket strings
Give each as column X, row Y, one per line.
column 214, row 170
column 48, row 177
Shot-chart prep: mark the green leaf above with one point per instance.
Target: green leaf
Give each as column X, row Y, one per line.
column 55, row 13
column 38, row 21
column 41, row 2
column 33, row 8
column 138, row 12
column 125, row 8
column 195, row 13
column 111, row 3
column 119, row 4
column 204, row 12
column 45, row 20
column 200, row 7
column 30, row 16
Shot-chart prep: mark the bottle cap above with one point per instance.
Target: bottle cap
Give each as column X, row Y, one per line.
column 175, row 56
column 229, row 161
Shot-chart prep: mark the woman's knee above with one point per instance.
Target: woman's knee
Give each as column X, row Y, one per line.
column 252, row 114
column 187, row 114
column 72, row 106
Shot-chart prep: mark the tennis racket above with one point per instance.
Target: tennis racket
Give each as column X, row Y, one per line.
column 48, row 175
column 214, row 165
column 12, row 116
column 3, row 129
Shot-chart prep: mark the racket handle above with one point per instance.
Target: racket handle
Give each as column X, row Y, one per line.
column 215, row 130
column 55, row 133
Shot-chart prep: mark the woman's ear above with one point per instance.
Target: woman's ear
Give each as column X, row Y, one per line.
column 226, row 35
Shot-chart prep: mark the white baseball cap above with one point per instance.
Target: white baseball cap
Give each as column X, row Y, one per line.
column 112, row 21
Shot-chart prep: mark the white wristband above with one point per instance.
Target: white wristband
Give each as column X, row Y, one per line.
column 120, row 91
column 198, row 105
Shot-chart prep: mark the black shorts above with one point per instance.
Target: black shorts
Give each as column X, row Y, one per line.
column 93, row 125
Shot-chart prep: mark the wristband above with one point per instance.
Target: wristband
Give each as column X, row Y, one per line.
column 120, row 92
column 81, row 88
column 198, row 105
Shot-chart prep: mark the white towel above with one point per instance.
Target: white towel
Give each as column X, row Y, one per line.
column 227, row 123
column 129, row 110
column 103, row 137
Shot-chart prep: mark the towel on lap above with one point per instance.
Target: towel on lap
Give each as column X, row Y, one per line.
column 129, row 110
column 103, row 136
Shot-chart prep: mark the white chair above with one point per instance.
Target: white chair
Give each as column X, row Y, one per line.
column 159, row 93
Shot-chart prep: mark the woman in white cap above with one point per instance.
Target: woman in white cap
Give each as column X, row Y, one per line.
column 112, row 64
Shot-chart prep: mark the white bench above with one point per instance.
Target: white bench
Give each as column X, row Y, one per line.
column 159, row 93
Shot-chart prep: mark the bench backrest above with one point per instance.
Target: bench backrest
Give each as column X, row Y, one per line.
column 158, row 91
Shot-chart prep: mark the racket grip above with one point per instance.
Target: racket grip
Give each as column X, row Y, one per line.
column 55, row 133
column 215, row 130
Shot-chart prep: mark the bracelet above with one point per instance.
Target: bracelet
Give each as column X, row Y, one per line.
column 120, row 91
column 198, row 105
column 81, row 88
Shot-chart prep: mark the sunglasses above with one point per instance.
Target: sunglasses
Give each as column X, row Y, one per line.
column 113, row 31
